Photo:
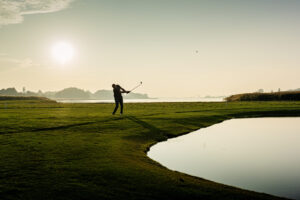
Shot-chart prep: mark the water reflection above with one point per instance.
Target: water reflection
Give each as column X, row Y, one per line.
column 261, row 154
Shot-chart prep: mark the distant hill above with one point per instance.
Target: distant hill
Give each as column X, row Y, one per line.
column 276, row 96
column 72, row 93
column 108, row 94
column 9, row 92
column 296, row 89
column 103, row 94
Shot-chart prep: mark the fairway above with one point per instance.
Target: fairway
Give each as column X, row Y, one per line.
column 50, row 150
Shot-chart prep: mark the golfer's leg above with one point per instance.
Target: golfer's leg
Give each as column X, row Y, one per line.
column 121, row 104
column 116, row 107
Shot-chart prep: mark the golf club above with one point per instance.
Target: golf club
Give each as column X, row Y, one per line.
column 136, row 86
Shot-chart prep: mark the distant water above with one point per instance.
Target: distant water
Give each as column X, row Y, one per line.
column 157, row 100
column 260, row 154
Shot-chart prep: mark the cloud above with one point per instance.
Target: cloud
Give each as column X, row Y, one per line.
column 12, row 63
column 13, row 11
column 27, row 62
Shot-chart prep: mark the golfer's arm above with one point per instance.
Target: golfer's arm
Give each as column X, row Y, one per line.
column 123, row 90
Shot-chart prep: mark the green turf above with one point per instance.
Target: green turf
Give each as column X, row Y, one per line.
column 80, row 151
column 273, row 96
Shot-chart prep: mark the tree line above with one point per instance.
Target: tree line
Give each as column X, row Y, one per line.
column 71, row 93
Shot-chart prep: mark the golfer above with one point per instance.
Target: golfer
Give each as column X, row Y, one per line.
column 118, row 90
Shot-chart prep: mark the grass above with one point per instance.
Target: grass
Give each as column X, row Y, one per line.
column 18, row 98
column 80, row 151
column 274, row 96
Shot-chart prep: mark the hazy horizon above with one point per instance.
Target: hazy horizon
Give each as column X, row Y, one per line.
column 177, row 48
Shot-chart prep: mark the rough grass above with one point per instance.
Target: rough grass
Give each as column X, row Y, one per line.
column 275, row 96
column 21, row 98
column 80, row 151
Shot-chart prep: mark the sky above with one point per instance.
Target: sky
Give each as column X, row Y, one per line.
column 178, row 48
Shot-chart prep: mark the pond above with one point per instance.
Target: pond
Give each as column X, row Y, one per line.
column 258, row 154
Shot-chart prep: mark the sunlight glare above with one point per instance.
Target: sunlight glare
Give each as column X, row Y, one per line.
column 62, row 52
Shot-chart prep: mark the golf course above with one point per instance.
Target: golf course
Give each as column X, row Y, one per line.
column 51, row 150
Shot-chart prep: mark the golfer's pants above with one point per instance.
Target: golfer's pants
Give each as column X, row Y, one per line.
column 119, row 101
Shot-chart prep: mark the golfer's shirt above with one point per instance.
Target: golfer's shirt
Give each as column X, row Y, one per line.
column 117, row 94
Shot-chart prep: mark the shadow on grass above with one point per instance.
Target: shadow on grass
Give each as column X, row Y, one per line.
column 49, row 128
column 55, row 128
column 152, row 131
column 273, row 113
column 61, row 127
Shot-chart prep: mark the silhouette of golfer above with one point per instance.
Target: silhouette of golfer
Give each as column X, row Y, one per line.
column 118, row 90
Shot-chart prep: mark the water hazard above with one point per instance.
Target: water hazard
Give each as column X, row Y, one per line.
column 260, row 154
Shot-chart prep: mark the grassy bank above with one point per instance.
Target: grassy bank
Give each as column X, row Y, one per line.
column 274, row 96
column 80, row 151
column 25, row 98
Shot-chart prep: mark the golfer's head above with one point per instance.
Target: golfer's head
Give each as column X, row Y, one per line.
column 113, row 85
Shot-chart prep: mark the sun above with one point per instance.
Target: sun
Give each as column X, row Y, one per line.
column 62, row 52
